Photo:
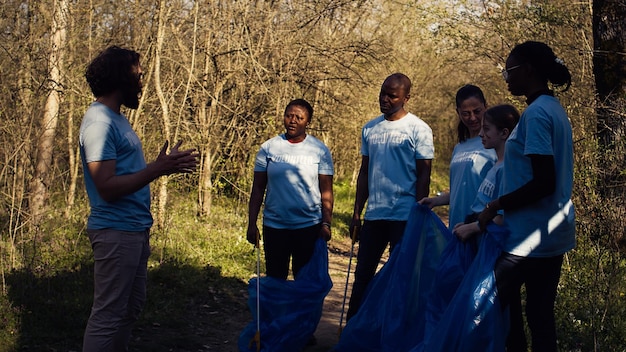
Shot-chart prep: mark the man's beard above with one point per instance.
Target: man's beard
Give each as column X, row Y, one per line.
column 131, row 99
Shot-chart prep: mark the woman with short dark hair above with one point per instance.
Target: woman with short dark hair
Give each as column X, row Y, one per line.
column 293, row 176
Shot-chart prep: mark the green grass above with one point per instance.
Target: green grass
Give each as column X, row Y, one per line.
column 194, row 263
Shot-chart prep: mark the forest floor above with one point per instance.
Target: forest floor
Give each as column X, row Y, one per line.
column 216, row 327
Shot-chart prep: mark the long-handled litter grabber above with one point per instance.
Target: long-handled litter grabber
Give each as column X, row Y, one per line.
column 345, row 291
column 257, row 336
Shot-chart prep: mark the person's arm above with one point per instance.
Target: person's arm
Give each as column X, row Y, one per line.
column 431, row 202
column 541, row 185
column 112, row 187
column 362, row 193
column 423, row 167
column 465, row 231
column 326, row 190
column 259, row 184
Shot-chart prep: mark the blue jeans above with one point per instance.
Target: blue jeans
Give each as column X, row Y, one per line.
column 541, row 278
column 120, row 277
column 373, row 239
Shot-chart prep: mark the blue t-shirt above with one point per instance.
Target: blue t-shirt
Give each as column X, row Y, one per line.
column 468, row 167
column 545, row 228
column 106, row 135
column 393, row 148
column 293, row 199
column 489, row 189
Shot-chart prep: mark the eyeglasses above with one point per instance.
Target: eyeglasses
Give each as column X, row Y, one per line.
column 505, row 71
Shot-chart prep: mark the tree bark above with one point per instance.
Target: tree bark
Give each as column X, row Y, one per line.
column 73, row 149
column 609, row 30
column 162, row 195
column 205, row 185
column 45, row 146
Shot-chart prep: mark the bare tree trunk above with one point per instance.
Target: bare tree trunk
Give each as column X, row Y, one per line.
column 609, row 28
column 72, row 147
column 22, row 160
column 39, row 184
column 17, row 216
column 192, row 66
column 162, row 197
column 609, row 31
column 205, row 184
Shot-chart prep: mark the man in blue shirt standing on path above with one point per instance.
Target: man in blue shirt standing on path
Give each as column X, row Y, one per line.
column 117, row 181
column 397, row 150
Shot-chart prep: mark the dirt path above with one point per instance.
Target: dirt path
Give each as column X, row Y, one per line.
column 327, row 332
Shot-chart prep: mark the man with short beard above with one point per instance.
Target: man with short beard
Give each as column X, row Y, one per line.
column 117, row 180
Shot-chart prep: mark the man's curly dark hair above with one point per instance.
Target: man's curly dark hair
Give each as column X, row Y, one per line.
column 110, row 70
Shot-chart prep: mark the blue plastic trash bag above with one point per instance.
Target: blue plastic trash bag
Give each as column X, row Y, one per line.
column 391, row 317
column 474, row 319
column 289, row 309
column 454, row 263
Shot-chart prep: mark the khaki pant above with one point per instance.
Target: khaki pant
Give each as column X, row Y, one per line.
column 120, row 275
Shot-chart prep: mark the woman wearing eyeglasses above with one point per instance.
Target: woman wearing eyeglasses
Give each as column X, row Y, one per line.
column 536, row 187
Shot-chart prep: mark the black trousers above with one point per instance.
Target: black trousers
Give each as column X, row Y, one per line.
column 373, row 239
column 541, row 277
column 281, row 245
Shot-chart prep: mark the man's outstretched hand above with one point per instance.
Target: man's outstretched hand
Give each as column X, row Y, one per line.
column 177, row 161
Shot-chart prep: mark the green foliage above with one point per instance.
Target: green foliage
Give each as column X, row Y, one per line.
column 218, row 241
column 9, row 324
column 591, row 300
column 343, row 208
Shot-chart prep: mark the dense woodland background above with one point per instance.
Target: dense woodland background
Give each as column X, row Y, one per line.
column 218, row 75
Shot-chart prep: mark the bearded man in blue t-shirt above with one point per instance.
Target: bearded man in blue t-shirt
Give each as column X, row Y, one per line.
column 117, row 179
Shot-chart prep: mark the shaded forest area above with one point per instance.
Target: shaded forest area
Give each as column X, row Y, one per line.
column 218, row 75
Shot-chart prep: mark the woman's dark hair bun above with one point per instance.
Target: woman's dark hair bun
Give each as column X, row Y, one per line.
column 541, row 57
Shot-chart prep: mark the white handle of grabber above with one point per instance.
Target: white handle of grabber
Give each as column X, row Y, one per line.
column 345, row 291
